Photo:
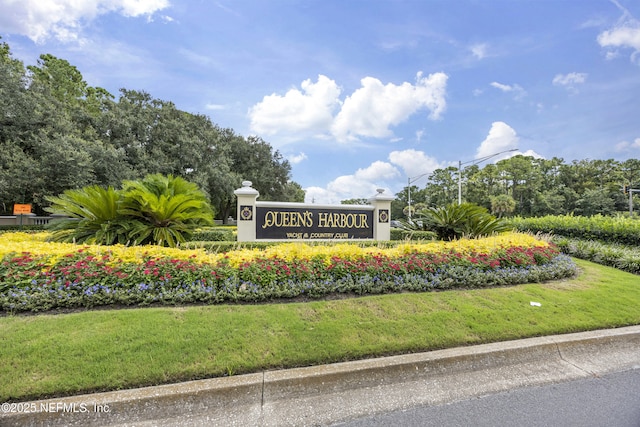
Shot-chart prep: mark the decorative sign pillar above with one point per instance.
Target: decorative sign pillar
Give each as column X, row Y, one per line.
column 246, row 212
column 382, row 213
column 269, row 221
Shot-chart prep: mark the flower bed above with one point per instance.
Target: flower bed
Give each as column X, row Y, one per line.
column 37, row 276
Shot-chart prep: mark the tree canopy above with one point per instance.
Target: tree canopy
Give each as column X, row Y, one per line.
column 57, row 133
column 528, row 186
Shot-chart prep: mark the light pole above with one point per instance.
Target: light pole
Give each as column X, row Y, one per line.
column 475, row 162
column 411, row 180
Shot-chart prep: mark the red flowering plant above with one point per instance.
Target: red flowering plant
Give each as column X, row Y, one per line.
column 20, row 269
column 86, row 278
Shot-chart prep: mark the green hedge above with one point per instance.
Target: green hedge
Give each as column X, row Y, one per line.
column 218, row 234
column 400, row 234
column 619, row 230
column 30, row 227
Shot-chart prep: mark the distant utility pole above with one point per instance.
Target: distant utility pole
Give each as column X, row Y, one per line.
column 411, row 180
column 628, row 190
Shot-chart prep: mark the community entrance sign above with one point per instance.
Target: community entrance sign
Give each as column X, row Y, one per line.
column 293, row 222
column 302, row 221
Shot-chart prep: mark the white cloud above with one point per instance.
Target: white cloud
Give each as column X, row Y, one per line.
column 371, row 110
column 502, row 87
column 501, row 137
column 319, row 195
column 294, row 159
column 413, row 162
column 624, row 35
column 136, row 7
column 516, row 89
column 479, row 50
column 628, row 146
column 64, row 19
column 362, row 184
column 528, row 153
column 569, row 81
column 305, row 111
column 611, row 55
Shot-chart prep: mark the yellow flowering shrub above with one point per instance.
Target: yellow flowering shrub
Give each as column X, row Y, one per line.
column 36, row 244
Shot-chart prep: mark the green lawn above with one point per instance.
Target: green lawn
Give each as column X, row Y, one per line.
column 55, row 355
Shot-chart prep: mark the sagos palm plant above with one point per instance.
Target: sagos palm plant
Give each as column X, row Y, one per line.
column 164, row 210
column 455, row 221
column 157, row 210
column 92, row 216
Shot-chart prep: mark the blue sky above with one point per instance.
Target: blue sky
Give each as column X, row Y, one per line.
column 363, row 94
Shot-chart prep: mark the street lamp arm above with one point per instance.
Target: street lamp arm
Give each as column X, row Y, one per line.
column 415, row 178
column 411, row 180
column 482, row 159
column 473, row 162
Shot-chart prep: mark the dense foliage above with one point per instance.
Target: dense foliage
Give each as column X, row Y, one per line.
column 455, row 221
column 528, row 186
column 610, row 229
column 626, row 258
column 160, row 210
column 36, row 276
column 58, row 133
column 611, row 241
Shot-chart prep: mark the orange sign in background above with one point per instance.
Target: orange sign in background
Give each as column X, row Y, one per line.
column 19, row 209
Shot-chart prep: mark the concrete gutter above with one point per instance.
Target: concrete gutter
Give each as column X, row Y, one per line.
column 322, row 395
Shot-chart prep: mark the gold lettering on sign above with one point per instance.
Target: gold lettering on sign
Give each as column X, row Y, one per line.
column 342, row 220
column 321, row 235
column 288, row 219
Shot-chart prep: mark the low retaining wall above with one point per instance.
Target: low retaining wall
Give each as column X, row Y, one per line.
column 29, row 219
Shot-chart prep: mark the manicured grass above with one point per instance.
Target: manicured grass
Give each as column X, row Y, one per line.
column 55, row 355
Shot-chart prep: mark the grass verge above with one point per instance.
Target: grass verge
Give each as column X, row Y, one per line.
column 56, row 355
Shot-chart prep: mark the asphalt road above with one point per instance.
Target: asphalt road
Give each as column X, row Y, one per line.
column 612, row 400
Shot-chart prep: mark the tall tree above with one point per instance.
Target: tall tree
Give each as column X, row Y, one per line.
column 293, row 192
column 62, row 80
column 254, row 160
column 523, row 180
column 502, row 205
column 442, row 188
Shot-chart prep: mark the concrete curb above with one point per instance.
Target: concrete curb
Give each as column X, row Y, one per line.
column 328, row 394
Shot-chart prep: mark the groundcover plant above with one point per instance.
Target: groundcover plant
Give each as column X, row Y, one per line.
column 36, row 275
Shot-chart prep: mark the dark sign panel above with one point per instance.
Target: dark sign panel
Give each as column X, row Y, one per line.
column 313, row 223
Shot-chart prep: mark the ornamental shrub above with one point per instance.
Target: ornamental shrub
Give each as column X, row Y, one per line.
column 610, row 229
column 455, row 221
column 159, row 210
column 626, row 258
